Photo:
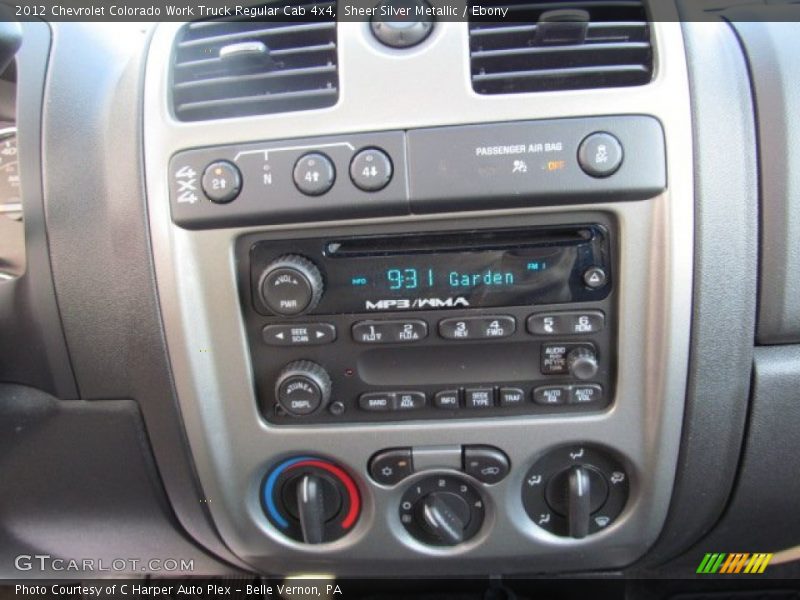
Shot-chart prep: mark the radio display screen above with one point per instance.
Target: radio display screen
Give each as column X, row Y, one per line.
column 478, row 278
column 459, row 270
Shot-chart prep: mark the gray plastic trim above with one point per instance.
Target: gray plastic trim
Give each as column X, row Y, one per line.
column 33, row 350
column 726, row 250
column 233, row 446
column 773, row 52
column 100, row 251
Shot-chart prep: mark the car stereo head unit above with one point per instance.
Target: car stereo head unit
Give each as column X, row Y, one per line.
column 418, row 326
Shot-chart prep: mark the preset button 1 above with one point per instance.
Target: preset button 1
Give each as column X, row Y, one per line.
column 389, row 332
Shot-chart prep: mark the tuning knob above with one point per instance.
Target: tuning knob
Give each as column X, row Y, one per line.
column 291, row 285
column 582, row 363
column 302, row 388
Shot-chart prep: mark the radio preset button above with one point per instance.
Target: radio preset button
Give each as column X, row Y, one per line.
column 371, row 170
column 447, row 399
column 510, row 397
column 376, row 401
column 551, row 395
column 589, row 393
column 479, row 397
column 389, row 332
column 305, row 334
column 477, row 328
column 314, row 174
column 409, row 400
column 566, row 323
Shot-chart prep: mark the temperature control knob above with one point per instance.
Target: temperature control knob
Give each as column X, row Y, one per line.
column 582, row 363
column 291, row 285
column 302, row 388
column 310, row 499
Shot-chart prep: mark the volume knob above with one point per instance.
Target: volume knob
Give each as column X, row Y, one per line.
column 582, row 363
column 291, row 285
column 303, row 387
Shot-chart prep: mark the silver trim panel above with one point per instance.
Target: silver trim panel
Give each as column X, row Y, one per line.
column 233, row 447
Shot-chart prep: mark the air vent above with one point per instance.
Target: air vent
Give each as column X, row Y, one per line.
column 546, row 46
column 230, row 68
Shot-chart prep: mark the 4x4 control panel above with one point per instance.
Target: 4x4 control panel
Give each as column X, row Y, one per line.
column 454, row 325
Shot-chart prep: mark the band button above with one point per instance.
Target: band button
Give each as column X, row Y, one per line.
column 376, row 401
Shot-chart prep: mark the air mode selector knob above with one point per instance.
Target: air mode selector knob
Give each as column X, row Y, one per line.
column 582, row 363
column 302, row 388
column 291, row 285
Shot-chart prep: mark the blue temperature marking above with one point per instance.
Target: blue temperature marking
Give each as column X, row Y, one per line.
column 269, row 486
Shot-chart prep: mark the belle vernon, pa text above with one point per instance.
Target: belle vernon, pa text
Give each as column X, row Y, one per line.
column 166, row 591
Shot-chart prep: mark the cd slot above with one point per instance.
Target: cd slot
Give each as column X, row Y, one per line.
column 459, row 242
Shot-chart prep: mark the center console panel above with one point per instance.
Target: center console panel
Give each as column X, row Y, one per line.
column 457, row 329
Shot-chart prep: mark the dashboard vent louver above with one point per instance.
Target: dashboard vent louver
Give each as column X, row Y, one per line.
column 234, row 68
column 557, row 45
